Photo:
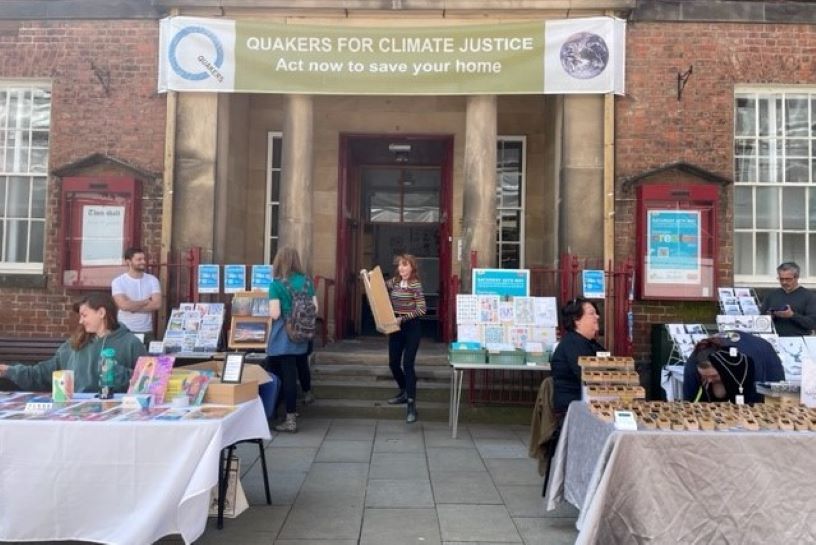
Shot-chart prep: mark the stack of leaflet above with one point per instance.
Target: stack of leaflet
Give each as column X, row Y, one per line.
column 498, row 324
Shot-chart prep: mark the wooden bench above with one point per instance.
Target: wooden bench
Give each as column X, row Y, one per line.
column 28, row 349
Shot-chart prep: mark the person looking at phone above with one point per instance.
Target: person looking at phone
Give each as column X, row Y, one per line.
column 793, row 307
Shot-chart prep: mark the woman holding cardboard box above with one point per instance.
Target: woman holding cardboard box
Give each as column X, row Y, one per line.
column 98, row 330
column 408, row 301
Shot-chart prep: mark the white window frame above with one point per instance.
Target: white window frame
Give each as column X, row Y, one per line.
column 776, row 152
column 522, row 200
column 271, row 234
column 28, row 267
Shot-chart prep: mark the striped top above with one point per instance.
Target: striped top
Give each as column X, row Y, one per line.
column 408, row 301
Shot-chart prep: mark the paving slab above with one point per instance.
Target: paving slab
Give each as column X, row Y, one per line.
column 442, row 438
column 344, row 451
column 547, row 531
column 519, row 471
column 399, row 465
column 477, row 523
column 501, row 448
column 400, row 527
column 396, row 493
column 454, row 459
column 464, row 487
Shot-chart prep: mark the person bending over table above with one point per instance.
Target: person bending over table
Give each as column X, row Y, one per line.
column 767, row 365
column 98, row 329
column 581, row 320
column 725, row 374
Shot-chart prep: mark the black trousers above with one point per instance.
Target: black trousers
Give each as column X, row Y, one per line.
column 285, row 367
column 402, row 349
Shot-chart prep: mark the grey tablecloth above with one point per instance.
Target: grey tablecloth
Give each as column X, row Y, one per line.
column 685, row 487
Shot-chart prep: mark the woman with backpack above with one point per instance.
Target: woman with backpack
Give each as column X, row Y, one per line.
column 293, row 308
column 408, row 301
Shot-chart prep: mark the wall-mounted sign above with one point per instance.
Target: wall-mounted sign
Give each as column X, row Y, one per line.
column 581, row 55
column 103, row 229
column 209, row 280
column 673, row 247
column 261, row 277
column 594, row 284
column 503, row 282
column 234, row 278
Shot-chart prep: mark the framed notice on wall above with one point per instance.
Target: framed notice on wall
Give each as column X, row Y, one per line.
column 677, row 242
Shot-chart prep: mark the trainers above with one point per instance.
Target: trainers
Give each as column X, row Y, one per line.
column 288, row 425
column 398, row 399
column 308, row 398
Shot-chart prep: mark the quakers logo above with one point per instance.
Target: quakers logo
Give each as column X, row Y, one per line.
column 211, row 67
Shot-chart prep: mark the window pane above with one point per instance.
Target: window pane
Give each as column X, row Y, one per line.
column 510, row 189
column 39, row 160
column 38, row 198
column 510, row 156
column 796, row 171
column 3, row 108
column 745, row 170
column 743, row 253
column 796, row 116
column 36, row 252
column 812, row 260
column 510, row 225
column 767, row 171
column 39, row 139
column 746, row 147
column 18, row 194
column 793, row 247
column 41, row 109
column 277, row 146
column 745, row 116
column 3, row 181
column 743, row 207
column 275, row 196
column 767, row 208
column 16, row 241
column 510, row 256
column 793, row 206
column 766, row 253
column 273, row 221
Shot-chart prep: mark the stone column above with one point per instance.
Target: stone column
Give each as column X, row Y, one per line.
column 295, row 227
column 479, row 199
column 581, row 211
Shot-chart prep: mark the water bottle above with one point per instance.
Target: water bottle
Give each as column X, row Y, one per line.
column 107, row 373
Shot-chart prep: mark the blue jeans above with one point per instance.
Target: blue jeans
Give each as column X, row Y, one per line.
column 402, row 349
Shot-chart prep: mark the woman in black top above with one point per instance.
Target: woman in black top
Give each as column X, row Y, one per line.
column 581, row 320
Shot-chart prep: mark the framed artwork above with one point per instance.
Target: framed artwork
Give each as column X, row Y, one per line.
column 249, row 332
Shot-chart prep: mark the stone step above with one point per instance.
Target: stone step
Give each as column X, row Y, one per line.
column 377, row 391
column 374, row 351
column 427, row 410
column 373, row 373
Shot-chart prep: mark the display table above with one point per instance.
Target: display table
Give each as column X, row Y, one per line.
column 684, row 487
column 457, row 376
column 114, row 482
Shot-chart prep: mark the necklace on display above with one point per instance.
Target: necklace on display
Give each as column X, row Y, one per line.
column 727, row 364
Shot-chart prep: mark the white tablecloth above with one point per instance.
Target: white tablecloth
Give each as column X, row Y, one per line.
column 114, row 482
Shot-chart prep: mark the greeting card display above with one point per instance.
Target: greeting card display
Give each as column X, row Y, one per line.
column 491, row 320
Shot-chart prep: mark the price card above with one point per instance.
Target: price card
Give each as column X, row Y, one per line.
column 233, row 368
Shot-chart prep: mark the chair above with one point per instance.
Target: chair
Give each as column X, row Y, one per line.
column 224, row 464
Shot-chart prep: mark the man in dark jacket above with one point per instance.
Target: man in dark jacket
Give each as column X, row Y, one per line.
column 792, row 306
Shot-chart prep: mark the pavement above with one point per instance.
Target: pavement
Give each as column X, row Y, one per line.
column 385, row 482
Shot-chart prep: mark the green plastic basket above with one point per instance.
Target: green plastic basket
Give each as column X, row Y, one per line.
column 467, row 356
column 506, row 357
column 537, row 357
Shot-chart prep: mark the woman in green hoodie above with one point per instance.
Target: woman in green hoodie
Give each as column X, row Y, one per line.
column 98, row 329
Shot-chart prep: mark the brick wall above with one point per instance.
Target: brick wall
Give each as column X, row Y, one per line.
column 654, row 128
column 104, row 100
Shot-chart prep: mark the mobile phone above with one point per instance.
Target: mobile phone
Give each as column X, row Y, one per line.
column 777, row 309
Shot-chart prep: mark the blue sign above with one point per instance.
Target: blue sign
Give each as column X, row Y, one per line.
column 673, row 247
column 503, row 282
column 261, row 277
column 594, row 284
column 209, row 280
column 234, row 278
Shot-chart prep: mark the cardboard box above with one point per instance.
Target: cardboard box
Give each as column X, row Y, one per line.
column 232, row 394
column 379, row 301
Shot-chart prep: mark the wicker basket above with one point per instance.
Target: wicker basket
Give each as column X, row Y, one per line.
column 467, row 356
column 506, row 357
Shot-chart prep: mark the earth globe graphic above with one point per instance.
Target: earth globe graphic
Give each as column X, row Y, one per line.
column 584, row 55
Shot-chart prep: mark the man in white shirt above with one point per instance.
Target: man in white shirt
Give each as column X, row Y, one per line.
column 137, row 294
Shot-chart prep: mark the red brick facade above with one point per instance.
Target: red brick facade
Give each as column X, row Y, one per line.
column 654, row 128
column 104, row 100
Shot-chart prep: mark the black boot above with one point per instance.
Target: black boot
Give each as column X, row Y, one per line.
column 412, row 412
column 399, row 399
